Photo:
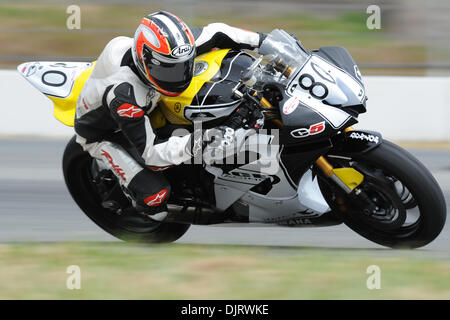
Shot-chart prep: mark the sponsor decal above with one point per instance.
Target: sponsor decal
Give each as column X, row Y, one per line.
column 127, row 110
column 181, row 51
column 149, row 97
column 290, row 105
column 322, row 73
column 296, row 222
column 74, row 74
column 119, row 171
column 158, row 168
column 197, row 146
column 84, row 104
column 155, row 61
column 357, row 72
column 177, row 107
column 250, row 177
column 195, row 115
column 362, row 136
column 245, row 175
column 63, row 65
column 156, row 199
column 306, row 132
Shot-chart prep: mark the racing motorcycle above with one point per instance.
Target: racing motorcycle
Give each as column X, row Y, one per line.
column 305, row 166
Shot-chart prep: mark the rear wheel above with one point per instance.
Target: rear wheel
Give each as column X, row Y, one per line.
column 404, row 206
column 129, row 226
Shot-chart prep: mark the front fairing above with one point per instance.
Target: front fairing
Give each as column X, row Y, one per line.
column 305, row 123
column 323, row 88
column 321, row 82
column 319, row 96
column 316, row 82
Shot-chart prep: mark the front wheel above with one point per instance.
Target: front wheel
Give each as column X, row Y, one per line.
column 410, row 209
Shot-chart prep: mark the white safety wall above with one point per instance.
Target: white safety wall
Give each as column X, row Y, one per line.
column 26, row 111
column 401, row 108
column 408, row 108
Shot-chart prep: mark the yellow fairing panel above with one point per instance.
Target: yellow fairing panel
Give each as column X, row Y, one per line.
column 173, row 107
column 64, row 108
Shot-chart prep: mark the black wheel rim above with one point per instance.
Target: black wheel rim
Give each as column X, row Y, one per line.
column 412, row 222
column 134, row 223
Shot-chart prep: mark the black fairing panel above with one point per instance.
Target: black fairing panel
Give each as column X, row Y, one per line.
column 340, row 57
column 357, row 142
column 214, row 101
column 304, row 117
column 288, row 136
column 229, row 75
column 297, row 159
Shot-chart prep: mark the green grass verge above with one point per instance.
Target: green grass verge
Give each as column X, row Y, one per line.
column 122, row 271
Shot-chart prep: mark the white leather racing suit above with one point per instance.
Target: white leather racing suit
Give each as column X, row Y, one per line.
column 115, row 98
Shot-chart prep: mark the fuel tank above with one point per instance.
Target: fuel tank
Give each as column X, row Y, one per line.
column 208, row 97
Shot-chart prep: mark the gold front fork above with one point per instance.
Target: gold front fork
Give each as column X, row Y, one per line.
column 266, row 104
column 347, row 178
column 325, row 166
column 349, row 129
column 323, row 163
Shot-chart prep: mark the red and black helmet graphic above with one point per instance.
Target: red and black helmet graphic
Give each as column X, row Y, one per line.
column 164, row 52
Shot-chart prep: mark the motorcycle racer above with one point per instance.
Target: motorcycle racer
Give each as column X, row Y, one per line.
column 129, row 78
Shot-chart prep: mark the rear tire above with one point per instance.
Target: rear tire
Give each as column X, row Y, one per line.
column 425, row 190
column 76, row 168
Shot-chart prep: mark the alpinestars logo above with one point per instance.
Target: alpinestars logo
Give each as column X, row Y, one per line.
column 156, row 199
column 127, row 110
column 197, row 146
column 119, row 171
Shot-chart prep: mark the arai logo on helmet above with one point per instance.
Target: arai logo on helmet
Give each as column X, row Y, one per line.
column 181, row 51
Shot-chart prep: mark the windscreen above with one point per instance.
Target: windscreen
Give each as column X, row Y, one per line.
column 280, row 45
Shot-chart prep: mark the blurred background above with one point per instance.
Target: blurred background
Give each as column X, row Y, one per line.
column 413, row 39
column 405, row 66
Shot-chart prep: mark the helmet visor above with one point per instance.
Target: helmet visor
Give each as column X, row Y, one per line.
column 173, row 77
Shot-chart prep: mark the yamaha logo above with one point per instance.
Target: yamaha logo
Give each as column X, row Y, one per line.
column 181, row 51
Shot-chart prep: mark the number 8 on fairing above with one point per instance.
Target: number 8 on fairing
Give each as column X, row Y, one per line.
column 317, row 89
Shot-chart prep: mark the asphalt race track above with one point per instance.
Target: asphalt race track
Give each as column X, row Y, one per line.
column 36, row 206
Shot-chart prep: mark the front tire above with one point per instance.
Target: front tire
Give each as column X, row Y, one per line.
column 419, row 193
column 134, row 228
